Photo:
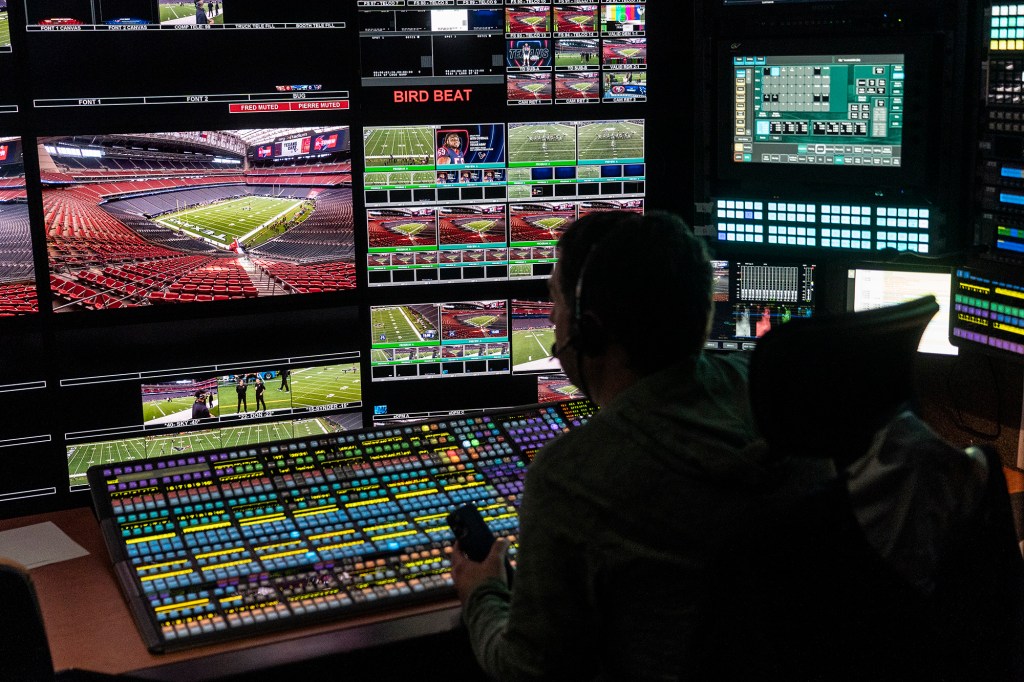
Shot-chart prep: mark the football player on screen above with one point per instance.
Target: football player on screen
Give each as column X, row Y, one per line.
column 451, row 150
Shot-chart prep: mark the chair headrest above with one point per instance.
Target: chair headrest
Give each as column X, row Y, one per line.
column 836, row 379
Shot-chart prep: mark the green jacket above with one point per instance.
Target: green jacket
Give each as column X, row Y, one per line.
column 619, row 522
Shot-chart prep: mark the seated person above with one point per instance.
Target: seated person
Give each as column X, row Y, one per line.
column 621, row 518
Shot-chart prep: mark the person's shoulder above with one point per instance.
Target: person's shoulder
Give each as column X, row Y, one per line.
column 563, row 455
column 735, row 363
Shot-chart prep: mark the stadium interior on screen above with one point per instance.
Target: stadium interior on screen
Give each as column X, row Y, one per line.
column 198, row 216
column 232, row 253
column 17, row 272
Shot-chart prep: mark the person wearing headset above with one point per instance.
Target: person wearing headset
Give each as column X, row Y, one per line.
column 621, row 518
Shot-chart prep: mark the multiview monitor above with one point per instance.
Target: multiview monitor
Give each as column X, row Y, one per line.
column 505, row 53
column 437, row 340
column 463, row 202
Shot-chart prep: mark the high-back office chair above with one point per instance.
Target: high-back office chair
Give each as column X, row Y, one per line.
column 800, row 594
column 835, row 381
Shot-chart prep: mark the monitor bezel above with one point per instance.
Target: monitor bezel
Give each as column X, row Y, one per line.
column 915, row 176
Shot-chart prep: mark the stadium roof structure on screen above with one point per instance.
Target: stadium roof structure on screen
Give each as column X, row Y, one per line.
column 264, row 135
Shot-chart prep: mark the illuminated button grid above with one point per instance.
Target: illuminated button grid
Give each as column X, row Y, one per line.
column 845, row 238
column 735, row 221
column 831, row 226
column 1007, row 28
column 855, row 216
column 903, row 229
column 984, row 320
column 845, row 227
column 789, row 235
column 792, row 224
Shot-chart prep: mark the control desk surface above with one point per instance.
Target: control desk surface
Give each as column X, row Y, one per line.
column 225, row 544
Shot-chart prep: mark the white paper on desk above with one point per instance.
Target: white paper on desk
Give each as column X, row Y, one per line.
column 38, row 545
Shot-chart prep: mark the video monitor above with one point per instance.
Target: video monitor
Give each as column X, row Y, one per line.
column 169, row 385
column 750, row 298
column 250, row 393
column 623, row 19
column 17, row 270
column 553, row 388
column 184, row 416
column 579, row 20
column 480, row 202
column 165, row 61
column 535, row 228
column 214, row 408
column 986, row 312
column 158, row 218
column 818, row 109
column 842, row 113
column 494, row 53
column 5, row 28
column 878, row 285
column 439, row 340
column 533, row 338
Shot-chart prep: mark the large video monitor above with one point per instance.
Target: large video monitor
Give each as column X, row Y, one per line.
column 186, row 387
column 199, row 216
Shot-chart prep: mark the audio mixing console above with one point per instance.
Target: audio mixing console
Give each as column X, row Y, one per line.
column 224, row 544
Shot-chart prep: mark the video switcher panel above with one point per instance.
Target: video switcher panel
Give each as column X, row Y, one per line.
column 221, row 545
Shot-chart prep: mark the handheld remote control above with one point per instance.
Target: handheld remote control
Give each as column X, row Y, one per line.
column 471, row 531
